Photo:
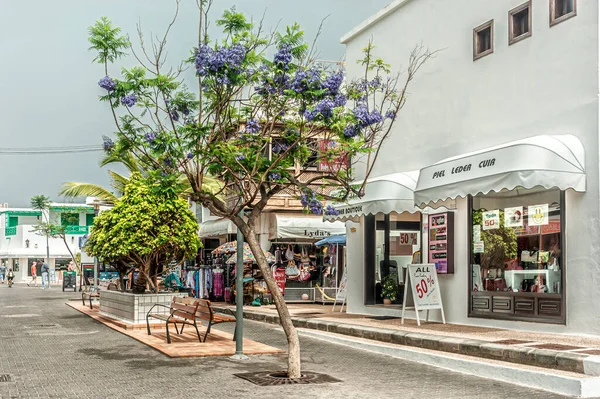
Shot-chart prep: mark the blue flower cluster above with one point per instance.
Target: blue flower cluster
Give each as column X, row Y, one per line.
column 283, row 57
column 240, row 157
column 129, row 100
column 107, row 83
column 279, row 147
column 331, row 211
column 252, row 126
column 190, row 155
column 108, row 144
column 274, row 176
column 390, row 114
column 150, row 137
column 364, row 118
column 209, row 61
column 333, row 82
column 174, row 115
column 168, row 161
column 309, row 200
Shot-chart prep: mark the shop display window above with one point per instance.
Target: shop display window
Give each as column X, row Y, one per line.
column 516, row 242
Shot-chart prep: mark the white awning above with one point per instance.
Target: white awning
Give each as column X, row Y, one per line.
column 217, row 227
column 303, row 228
column 385, row 194
column 546, row 161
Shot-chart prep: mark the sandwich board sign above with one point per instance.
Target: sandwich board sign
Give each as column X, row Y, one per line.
column 340, row 294
column 424, row 291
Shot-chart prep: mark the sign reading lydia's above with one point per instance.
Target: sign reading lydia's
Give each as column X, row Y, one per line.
column 425, row 291
column 441, row 242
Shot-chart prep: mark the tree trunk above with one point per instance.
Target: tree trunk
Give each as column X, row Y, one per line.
column 294, row 365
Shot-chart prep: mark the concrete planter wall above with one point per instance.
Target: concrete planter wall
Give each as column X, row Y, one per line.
column 133, row 308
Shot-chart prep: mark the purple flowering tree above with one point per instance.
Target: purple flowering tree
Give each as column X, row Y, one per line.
column 265, row 118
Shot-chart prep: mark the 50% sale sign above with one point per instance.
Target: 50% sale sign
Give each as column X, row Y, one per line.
column 424, row 291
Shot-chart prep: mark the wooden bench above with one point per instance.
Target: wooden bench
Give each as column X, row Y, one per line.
column 92, row 292
column 182, row 311
column 206, row 312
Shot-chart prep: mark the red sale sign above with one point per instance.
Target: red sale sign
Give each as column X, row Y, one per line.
column 279, row 275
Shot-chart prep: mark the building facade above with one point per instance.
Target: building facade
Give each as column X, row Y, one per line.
column 498, row 147
column 20, row 246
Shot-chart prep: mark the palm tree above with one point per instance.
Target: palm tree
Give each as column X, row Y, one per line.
column 118, row 181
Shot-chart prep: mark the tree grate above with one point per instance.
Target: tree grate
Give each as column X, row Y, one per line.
column 273, row 378
column 5, row 378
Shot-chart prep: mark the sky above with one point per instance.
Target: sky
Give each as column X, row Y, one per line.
column 48, row 84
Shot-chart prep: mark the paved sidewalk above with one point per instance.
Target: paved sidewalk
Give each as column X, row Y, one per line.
column 561, row 352
column 50, row 350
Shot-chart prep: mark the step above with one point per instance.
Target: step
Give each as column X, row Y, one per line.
column 551, row 380
column 576, row 362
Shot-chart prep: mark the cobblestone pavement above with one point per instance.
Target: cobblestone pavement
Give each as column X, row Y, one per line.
column 52, row 351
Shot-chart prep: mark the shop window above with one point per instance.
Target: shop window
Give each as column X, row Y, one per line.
column 391, row 244
column 517, row 261
column 561, row 10
column 519, row 23
column 483, row 40
column 89, row 219
column 13, row 221
column 61, row 264
column 15, row 265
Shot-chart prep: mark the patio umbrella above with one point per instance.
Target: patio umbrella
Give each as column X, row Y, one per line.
column 228, row 248
column 337, row 239
column 249, row 257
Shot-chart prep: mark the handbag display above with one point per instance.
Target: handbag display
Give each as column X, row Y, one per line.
column 304, row 255
column 292, row 270
column 289, row 254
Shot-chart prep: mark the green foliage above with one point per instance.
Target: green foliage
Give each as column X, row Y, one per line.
column 233, row 22
column 40, row 202
column 147, row 224
column 107, row 41
column 499, row 244
column 389, row 287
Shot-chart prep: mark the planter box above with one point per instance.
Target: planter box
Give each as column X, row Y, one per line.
column 133, row 308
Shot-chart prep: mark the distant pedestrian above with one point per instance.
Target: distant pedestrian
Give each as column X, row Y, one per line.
column 45, row 272
column 11, row 277
column 33, row 275
column 71, row 267
column 2, row 272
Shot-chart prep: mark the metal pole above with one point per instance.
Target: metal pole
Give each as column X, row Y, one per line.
column 239, row 296
column 96, row 212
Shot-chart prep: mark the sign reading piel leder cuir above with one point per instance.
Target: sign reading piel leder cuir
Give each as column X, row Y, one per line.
column 486, row 163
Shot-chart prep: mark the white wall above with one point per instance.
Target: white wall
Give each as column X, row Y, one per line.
column 545, row 84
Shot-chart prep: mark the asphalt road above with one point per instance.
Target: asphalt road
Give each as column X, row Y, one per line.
column 49, row 350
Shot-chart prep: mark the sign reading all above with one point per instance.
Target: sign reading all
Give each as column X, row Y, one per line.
column 425, row 290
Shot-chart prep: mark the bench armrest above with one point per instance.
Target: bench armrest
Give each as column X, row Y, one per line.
column 155, row 305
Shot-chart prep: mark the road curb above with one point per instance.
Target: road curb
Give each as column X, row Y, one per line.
column 567, row 361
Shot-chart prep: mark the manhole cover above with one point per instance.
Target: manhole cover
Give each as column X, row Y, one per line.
column 271, row 378
column 5, row 378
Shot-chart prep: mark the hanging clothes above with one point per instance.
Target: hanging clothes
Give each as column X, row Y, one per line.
column 218, row 282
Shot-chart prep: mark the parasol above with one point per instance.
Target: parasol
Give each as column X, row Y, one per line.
column 229, row 248
column 249, row 257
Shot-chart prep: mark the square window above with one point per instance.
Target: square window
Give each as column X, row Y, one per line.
column 561, row 10
column 483, row 40
column 519, row 23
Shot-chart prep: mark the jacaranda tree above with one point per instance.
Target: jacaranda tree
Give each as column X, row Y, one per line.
column 262, row 115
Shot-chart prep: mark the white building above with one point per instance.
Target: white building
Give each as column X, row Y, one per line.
column 513, row 100
column 20, row 246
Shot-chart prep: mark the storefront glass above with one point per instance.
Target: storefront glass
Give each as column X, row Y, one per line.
column 61, row 264
column 392, row 242
column 517, row 261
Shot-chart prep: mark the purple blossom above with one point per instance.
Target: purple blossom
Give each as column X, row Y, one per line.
column 325, row 108
column 174, row 115
column 190, row 155
column 185, row 111
column 315, row 206
column 333, row 82
column 108, row 144
column 150, row 137
column 331, row 211
column 361, row 113
column 390, row 115
column 309, row 115
column 340, row 100
column 107, row 83
column 252, row 126
column 283, row 57
column 129, row 100
column 274, row 176
column 279, row 147
column 351, row 131
column 240, row 157
column 375, row 83
column 168, row 161
column 209, row 61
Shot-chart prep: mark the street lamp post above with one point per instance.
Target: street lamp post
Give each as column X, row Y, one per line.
column 239, row 296
column 96, row 206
